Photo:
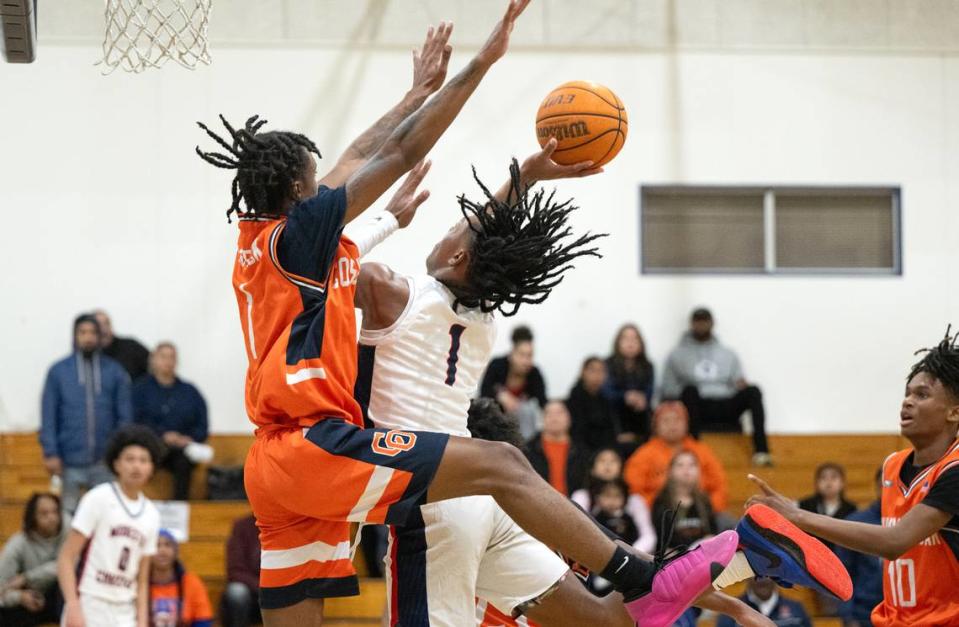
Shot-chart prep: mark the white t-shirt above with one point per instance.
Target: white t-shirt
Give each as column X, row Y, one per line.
column 119, row 532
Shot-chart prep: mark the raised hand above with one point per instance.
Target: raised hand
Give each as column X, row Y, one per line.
column 406, row 201
column 498, row 42
column 432, row 60
column 769, row 497
column 541, row 167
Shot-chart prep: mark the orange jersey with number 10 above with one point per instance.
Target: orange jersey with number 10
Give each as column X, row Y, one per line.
column 295, row 279
column 922, row 586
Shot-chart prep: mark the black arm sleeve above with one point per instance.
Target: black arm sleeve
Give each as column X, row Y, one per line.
column 944, row 494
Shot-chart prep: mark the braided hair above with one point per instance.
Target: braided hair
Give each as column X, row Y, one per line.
column 521, row 247
column 941, row 362
column 266, row 164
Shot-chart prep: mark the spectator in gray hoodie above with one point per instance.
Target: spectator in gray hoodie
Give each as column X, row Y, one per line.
column 28, row 565
column 708, row 378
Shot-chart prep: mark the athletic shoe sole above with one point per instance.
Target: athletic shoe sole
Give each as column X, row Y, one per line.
column 779, row 549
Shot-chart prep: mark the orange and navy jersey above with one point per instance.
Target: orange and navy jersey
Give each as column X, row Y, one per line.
column 295, row 279
column 919, row 588
column 183, row 604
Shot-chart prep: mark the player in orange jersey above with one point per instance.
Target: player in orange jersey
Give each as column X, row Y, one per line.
column 312, row 468
column 919, row 536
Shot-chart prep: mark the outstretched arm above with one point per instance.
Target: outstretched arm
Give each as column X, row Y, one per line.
column 540, row 167
column 419, row 132
column 921, row 522
column 429, row 72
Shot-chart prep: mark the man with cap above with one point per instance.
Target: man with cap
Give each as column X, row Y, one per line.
column 708, row 378
column 86, row 397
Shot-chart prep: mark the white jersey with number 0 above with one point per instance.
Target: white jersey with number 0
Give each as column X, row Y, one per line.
column 120, row 533
column 428, row 364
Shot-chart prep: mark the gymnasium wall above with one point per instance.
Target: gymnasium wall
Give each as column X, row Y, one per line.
column 105, row 204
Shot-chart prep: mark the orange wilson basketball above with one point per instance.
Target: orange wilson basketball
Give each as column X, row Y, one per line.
column 588, row 121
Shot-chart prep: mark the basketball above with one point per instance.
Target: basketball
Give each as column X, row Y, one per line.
column 588, row 121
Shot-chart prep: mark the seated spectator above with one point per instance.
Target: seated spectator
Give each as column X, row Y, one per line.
column 708, row 378
column 829, row 498
column 629, row 383
column 178, row 598
column 517, row 384
column 647, row 469
column 176, row 412
column 240, row 604
column 762, row 594
column 608, row 466
column 29, row 594
column 595, row 424
column 609, row 509
column 131, row 354
column 86, row 397
column 692, row 516
column 864, row 570
column 553, row 454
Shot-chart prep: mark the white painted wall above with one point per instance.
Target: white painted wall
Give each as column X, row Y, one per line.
column 104, row 204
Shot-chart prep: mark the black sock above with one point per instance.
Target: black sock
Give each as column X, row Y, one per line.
column 629, row 574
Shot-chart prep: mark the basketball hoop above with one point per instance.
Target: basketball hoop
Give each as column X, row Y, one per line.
column 147, row 33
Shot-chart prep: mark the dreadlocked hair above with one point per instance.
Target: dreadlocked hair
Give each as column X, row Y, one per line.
column 521, row 247
column 941, row 361
column 266, row 164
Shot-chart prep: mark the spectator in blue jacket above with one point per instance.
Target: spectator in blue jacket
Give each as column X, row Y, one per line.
column 86, row 398
column 864, row 570
column 175, row 410
column 629, row 386
column 762, row 595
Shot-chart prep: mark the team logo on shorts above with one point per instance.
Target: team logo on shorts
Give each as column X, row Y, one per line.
column 392, row 443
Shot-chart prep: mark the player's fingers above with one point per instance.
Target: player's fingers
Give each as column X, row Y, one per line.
column 447, row 53
column 418, row 173
column 549, row 148
column 420, row 198
column 761, row 484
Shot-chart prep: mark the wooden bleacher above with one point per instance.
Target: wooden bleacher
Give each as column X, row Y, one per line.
column 796, row 456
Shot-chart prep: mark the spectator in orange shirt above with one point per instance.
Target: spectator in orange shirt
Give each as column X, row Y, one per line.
column 554, row 455
column 647, row 469
column 177, row 598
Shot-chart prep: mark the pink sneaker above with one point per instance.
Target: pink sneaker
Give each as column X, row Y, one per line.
column 681, row 580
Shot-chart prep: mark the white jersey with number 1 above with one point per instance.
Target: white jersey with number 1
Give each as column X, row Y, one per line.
column 428, row 364
column 119, row 532
column 420, row 374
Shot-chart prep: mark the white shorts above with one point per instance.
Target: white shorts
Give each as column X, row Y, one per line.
column 454, row 551
column 99, row 612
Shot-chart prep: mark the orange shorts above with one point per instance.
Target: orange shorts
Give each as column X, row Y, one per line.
column 306, row 485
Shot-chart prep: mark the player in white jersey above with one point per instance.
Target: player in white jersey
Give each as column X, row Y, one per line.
column 115, row 529
column 424, row 344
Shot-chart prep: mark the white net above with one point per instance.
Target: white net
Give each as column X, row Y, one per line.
column 147, row 33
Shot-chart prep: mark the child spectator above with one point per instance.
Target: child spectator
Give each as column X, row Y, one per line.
column 517, row 384
column 608, row 466
column 119, row 527
column 177, row 598
column 830, row 498
column 609, row 509
column 595, row 424
column 28, row 565
column 694, row 520
column 629, row 383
